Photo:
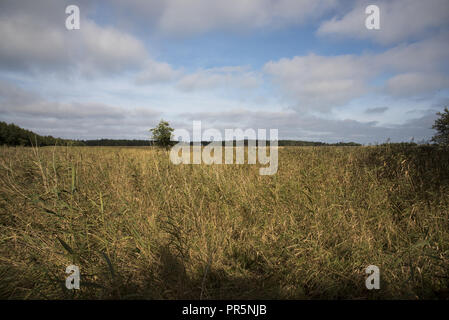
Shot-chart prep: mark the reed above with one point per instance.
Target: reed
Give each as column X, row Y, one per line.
column 140, row 227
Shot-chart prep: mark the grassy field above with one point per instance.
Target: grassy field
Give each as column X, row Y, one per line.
column 140, row 227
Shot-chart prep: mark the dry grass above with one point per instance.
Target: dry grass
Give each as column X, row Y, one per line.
column 140, row 227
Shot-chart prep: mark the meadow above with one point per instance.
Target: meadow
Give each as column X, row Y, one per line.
column 140, row 227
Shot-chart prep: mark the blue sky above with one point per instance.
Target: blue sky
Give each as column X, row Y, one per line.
column 309, row 68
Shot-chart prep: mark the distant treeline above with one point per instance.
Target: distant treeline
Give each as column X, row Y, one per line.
column 13, row 135
column 283, row 143
column 311, row 143
column 143, row 143
column 116, row 143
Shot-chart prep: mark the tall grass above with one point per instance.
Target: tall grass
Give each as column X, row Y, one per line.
column 140, row 227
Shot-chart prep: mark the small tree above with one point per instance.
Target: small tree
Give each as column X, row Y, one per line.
column 162, row 134
column 442, row 127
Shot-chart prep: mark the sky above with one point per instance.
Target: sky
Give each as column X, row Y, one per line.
column 309, row 68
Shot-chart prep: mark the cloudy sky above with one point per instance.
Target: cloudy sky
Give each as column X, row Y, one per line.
column 309, row 68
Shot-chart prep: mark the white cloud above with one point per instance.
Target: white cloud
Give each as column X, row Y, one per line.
column 25, row 41
column 376, row 110
column 324, row 82
column 40, row 43
column 416, row 83
column 224, row 77
column 105, row 48
column 428, row 55
column 400, row 20
column 157, row 72
column 181, row 17
column 228, row 77
column 319, row 82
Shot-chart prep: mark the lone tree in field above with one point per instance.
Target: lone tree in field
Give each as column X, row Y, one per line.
column 162, row 134
column 442, row 127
